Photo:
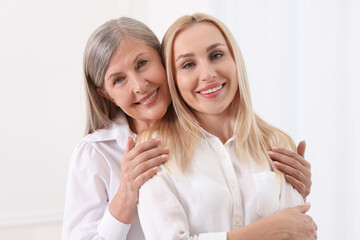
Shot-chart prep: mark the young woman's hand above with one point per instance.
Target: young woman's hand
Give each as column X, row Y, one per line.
column 296, row 169
column 138, row 165
column 290, row 223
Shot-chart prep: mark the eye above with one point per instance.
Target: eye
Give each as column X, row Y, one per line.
column 142, row 63
column 187, row 64
column 118, row 80
column 216, row 55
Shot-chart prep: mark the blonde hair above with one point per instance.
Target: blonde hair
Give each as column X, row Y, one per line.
column 98, row 51
column 254, row 136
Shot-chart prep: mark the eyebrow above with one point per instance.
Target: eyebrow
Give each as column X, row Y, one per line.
column 209, row 48
column 135, row 60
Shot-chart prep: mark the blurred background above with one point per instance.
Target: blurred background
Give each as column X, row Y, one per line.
column 303, row 62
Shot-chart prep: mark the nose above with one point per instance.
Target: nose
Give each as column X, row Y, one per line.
column 207, row 71
column 139, row 83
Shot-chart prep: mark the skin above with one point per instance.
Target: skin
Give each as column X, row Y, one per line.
column 134, row 73
column 136, row 82
column 199, row 66
column 199, row 71
column 296, row 169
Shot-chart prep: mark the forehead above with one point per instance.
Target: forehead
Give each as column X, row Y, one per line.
column 196, row 36
column 129, row 47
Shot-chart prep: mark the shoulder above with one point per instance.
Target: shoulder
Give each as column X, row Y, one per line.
column 104, row 146
column 117, row 130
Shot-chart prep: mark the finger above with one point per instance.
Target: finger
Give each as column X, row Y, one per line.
column 291, row 154
column 146, row 165
column 301, row 148
column 315, row 225
column 130, row 144
column 285, row 159
column 142, row 147
column 150, row 154
column 286, row 169
column 303, row 208
column 299, row 186
column 142, row 178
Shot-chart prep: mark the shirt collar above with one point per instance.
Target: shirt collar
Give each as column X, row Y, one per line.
column 208, row 135
column 119, row 130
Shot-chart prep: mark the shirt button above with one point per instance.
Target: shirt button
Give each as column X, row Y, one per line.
column 223, row 157
column 233, row 185
column 238, row 220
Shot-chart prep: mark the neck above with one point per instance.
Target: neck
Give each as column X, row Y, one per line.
column 137, row 126
column 218, row 125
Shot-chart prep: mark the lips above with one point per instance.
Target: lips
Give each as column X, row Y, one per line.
column 211, row 88
column 149, row 97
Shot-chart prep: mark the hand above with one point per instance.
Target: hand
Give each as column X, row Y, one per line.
column 293, row 223
column 138, row 165
column 296, row 169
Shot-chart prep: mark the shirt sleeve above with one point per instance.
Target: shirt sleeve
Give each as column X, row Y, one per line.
column 162, row 215
column 85, row 214
column 289, row 196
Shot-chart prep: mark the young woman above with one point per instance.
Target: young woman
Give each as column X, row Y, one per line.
column 126, row 92
column 219, row 180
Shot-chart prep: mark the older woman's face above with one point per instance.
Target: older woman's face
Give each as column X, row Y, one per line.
column 136, row 82
column 205, row 70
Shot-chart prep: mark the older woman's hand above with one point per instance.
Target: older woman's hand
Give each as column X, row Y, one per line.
column 138, row 165
column 296, row 169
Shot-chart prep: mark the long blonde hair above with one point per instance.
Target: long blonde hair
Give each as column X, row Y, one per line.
column 98, row 51
column 254, row 136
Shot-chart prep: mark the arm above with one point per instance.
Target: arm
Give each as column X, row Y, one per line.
column 87, row 215
column 296, row 169
column 138, row 165
column 86, row 196
column 291, row 223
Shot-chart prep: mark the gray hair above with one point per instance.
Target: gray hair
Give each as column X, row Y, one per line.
column 99, row 49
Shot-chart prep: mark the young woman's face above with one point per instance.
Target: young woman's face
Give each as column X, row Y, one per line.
column 136, row 82
column 205, row 71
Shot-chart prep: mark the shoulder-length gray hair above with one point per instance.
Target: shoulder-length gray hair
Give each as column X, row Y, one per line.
column 97, row 54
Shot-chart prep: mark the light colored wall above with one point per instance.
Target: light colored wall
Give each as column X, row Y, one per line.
column 302, row 59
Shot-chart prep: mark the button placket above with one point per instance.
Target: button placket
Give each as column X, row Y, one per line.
column 232, row 181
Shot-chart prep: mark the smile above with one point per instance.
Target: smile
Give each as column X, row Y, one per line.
column 151, row 97
column 212, row 90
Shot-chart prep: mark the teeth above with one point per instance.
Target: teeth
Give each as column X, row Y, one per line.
column 145, row 101
column 211, row 90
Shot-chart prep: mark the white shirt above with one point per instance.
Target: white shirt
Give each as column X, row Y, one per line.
column 93, row 180
column 216, row 194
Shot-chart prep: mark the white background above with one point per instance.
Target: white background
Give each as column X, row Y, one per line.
column 303, row 62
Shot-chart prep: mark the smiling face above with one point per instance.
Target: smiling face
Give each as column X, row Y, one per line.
column 135, row 81
column 205, row 70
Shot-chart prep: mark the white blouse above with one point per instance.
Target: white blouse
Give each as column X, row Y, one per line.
column 94, row 178
column 215, row 195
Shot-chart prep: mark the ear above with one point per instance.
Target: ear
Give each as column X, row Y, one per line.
column 103, row 94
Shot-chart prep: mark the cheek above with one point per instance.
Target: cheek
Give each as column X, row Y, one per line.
column 184, row 88
column 121, row 98
column 186, row 83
